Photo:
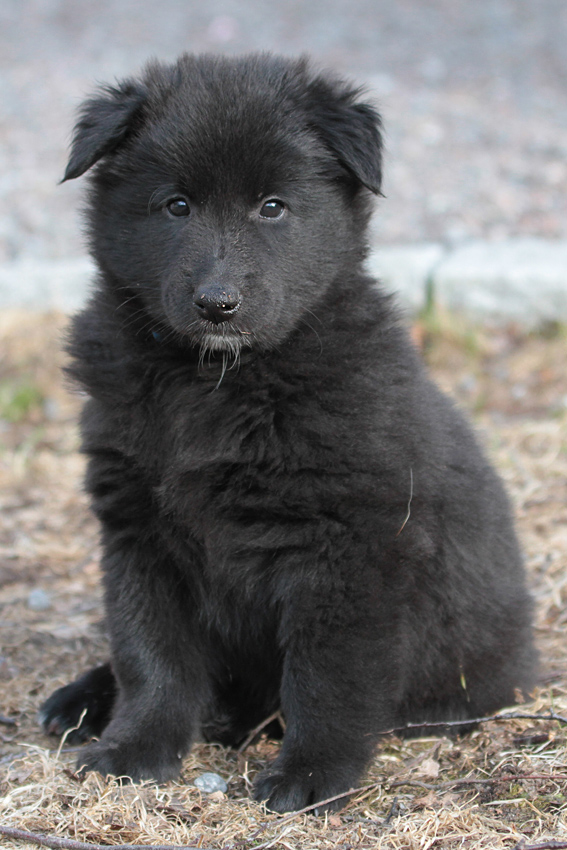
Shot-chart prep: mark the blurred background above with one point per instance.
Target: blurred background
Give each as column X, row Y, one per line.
column 473, row 94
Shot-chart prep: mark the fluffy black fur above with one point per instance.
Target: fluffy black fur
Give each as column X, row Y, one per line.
column 292, row 515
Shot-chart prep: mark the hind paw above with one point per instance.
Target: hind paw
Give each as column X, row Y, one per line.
column 84, row 706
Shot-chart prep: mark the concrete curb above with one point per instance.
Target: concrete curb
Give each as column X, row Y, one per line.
column 521, row 280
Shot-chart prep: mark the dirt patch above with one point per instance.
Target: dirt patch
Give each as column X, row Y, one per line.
column 505, row 781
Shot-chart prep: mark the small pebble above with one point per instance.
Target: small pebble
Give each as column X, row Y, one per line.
column 210, row 782
column 217, row 796
column 38, row 600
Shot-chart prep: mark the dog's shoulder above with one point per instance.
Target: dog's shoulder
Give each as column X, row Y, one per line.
column 103, row 361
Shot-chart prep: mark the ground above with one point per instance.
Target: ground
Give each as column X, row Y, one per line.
column 505, row 782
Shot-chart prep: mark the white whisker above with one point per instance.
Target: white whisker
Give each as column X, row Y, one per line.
column 403, row 525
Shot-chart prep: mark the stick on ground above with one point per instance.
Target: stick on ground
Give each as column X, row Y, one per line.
column 56, row 843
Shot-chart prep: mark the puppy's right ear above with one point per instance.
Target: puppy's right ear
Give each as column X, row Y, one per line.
column 104, row 122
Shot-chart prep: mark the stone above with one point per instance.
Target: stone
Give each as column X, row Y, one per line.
column 38, row 599
column 210, row 783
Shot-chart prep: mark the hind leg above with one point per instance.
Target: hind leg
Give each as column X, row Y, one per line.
column 85, row 706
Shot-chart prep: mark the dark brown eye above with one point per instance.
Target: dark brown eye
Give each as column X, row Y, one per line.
column 178, row 207
column 272, row 208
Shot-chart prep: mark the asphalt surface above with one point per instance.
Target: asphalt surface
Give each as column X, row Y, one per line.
column 473, row 94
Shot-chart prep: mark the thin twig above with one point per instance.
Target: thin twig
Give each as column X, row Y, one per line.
column 259, row 728
column 70, row 844
column 313, row 806
column 547, row 845
column 417, row 783
column 510, row 777
column 394, row 810
column 514, row 715
column 504, row 777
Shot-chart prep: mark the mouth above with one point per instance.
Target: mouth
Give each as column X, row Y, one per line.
column 224, row 338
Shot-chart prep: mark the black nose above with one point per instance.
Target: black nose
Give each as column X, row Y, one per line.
column 216, row 303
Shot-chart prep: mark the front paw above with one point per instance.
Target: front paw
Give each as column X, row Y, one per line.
column 289, row 790
column 133, row 760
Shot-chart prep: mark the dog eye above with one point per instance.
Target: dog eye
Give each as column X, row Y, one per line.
column 272, row 209
column 178, row 207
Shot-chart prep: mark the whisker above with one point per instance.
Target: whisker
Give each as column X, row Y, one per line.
column 126, row 301
column 223, row 369
column 315, row 316
column 311, row 328
column 134, row 317
column 145, row 326
column 151, row 200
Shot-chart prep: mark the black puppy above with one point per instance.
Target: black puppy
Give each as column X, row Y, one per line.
column 292, row 515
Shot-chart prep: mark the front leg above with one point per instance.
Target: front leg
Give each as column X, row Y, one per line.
column 157, row 659
column 336, row 695
column 162, row 684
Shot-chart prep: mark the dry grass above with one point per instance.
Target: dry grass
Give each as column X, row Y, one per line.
column 517, row 388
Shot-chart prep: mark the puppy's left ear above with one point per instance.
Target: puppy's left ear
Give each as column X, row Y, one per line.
column 351, row 131
column 104, row 122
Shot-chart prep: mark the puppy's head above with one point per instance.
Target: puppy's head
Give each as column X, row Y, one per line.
column 229, row 195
